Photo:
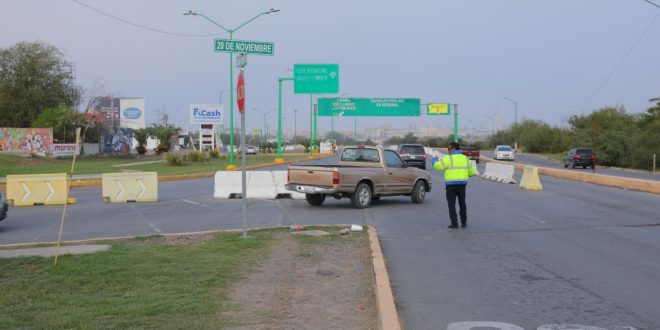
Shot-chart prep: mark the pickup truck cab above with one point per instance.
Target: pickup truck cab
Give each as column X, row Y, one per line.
column 362, row 174
column 472, row 153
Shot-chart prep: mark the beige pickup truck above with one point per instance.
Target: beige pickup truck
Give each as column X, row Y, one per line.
column 362, row 174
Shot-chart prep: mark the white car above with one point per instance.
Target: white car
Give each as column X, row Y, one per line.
column 503, row 153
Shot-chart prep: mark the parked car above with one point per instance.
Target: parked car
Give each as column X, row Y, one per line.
column 3, row 207
column 472, row 153
column 503, row 152
column 413, row 155
column 362, row 174
column 579, row 157
column 249, row 150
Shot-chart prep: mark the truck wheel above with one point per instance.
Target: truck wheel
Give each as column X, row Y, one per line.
column 362, row 196
column 418, row 192
column 314, row 199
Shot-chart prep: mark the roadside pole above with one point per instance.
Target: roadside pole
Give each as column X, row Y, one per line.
column 68, row 189
column 455, row 123
column 240, row 99
column 279, row 159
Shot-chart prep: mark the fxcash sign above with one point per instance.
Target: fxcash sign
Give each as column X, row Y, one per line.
column 203, row 113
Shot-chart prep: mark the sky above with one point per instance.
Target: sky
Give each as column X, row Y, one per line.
column 554, row 58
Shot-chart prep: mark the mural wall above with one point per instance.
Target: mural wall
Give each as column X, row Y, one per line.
column 32, row 140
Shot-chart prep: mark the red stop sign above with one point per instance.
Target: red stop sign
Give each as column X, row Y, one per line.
column 240, row 92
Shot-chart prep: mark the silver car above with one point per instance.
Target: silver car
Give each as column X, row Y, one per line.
column 503, row 153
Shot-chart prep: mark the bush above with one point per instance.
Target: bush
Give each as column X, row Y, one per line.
column 196, row 156
column 214, row 154
column 173, row 159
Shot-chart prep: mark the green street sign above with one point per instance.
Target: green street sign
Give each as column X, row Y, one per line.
column 386, row 106
column 315, row 78
column 438, row 109
column 241, row 46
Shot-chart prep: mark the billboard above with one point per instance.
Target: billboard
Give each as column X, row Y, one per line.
column 206, row 114
column 64, row 150
column 132, row 113
column 114, row 137
column 32, row 140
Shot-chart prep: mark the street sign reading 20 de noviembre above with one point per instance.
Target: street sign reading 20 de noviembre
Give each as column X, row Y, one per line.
column 242, row 46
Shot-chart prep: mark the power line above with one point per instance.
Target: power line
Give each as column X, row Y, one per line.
column 143, row 26
column 652, row 3
column 616, row 68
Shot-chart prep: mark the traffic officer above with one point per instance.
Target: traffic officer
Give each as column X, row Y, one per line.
column 458, row 169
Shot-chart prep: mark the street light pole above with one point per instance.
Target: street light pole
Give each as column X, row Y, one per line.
column 295, row 126
column 492, row 125
column 515, row 108
column 231, row 77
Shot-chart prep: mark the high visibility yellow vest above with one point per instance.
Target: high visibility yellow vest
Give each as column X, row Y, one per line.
column 457, row 168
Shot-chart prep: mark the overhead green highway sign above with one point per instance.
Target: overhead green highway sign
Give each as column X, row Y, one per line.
column 242, row 46
column 380, row 106
column 316, row 78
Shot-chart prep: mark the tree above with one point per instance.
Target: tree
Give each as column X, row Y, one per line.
column 34, row 76
column 141, row 135
column 164, row 133
column 62, row 119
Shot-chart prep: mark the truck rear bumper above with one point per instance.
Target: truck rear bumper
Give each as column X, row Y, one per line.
column 309, row 189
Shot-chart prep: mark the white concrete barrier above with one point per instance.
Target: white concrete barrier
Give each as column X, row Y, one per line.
column 227, row 184
column 499, row 172
column 259, row 185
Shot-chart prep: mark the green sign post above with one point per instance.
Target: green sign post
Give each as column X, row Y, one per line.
column 386, row 106
column 315, row 78
column 241, row 46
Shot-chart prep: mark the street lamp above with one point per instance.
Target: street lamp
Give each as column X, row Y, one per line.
column 231, row 76
column 263, row 113
column 295, row 126
column 515, row 106
column 493, row 124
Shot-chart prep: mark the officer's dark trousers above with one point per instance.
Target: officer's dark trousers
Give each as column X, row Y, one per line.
column 453, row 192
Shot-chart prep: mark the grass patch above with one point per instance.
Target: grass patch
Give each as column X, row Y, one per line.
column 558, row 156
column 12, row 164
column 145, row 283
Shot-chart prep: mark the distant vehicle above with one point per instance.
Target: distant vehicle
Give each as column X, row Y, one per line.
column 3, row 207
column 413, row 155
column 503, row 152
column 362, row 174
column 472, row 153
column 579, row 157
column 249, row 150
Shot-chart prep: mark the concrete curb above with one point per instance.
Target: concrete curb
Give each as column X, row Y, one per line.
column 388, row 317
column 177, row 177
column 599, row 179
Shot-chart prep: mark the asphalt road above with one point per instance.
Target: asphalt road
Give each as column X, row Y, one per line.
column 573, row 253
column 538, row 160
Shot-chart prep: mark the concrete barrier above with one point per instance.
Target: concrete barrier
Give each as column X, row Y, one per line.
column 259, row 185
column 530, row 179
column 499, row 172
column 37, row 189
column 280, row 178
column 227, row 184
column 130, row 187
column 588, row 177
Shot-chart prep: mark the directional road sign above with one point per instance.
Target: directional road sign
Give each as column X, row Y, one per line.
column 242, row 46
column 438, row 109
column 386, row 106
column 315, row 78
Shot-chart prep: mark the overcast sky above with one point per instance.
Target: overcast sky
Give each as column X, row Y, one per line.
column 554, row 57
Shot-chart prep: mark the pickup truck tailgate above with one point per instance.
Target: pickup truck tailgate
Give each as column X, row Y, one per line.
column 311, row 175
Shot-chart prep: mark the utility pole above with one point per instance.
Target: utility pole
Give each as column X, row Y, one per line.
column 295, row 126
